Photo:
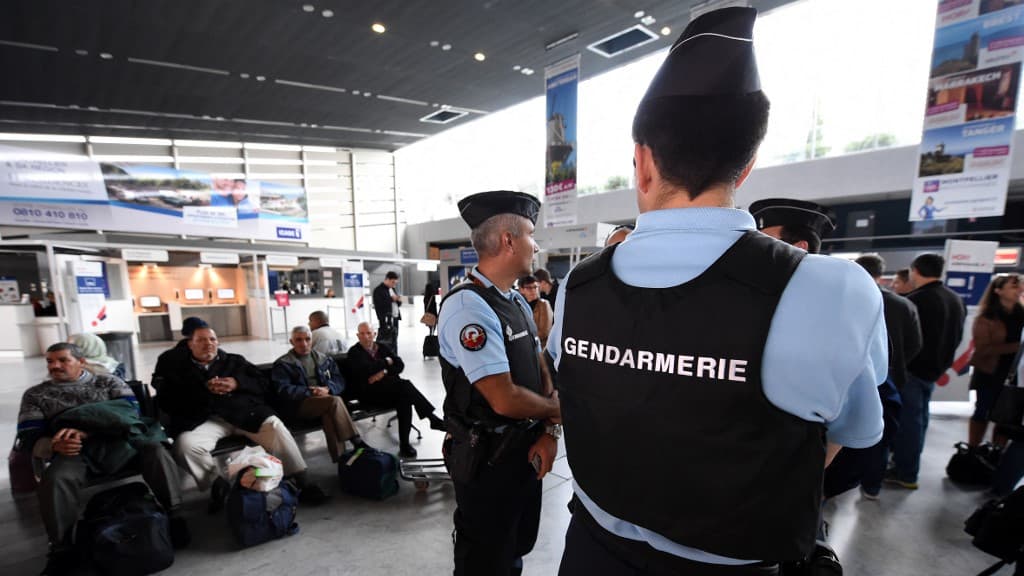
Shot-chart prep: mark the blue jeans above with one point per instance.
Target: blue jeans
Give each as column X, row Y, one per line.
column 909, row 444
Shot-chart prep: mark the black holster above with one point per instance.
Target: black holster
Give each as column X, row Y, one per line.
column 465, row 448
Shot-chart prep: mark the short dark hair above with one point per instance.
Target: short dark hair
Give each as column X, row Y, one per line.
column 75, row 351
column 903, row 274
column 873, row 263
column 391, row 275
column 528, row 279
column 542, row 275
column 929, row 265
column 702, row 141
column 794, row 234
column 320, row 316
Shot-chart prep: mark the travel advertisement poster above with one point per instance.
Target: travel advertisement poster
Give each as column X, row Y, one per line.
column 560, row 201
column 963, row 165
column 40, row 188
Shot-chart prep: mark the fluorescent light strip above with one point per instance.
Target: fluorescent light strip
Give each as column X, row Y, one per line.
column 402, row 100
column 28, row 104
column 310, row 86
column 400, row 133
column 210, row 160
column 326, row 149
column 131, row 158
column 208, row 144
column 179, row 66
column 40, row 137
column 265, row 122
column 139, row 141
column 281, row 147
column 347, row 129
column 461, row 109
column 30, row 46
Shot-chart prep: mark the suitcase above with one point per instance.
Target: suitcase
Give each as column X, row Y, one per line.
column 431, row 347
column 368, row 473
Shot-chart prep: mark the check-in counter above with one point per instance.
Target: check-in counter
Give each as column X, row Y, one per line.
column 225, row 319
column 19, row 339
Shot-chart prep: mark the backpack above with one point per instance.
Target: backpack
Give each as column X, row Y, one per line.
column 998, row 528
column 368, row 473
column 256, row 517
column 125, row 532
column 973, row 465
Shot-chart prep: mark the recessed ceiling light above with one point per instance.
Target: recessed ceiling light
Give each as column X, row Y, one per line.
column 639, row 14
column 435, row 105
column 243, row 75
column 308, row 7
column 527, row 71
column 446, row 47
column 81, row 52
column 73, row 106
column 378, row 28
column 479, row 57
column 206, row 116
column 434, row 43
column 106, row 55
column 517, row 67
column 261, row 78
column 327, row 13
column 666, row 31
column 93, row 108
column 303, row 124
column 367, row 94
column 220, row 118
column 356, row 92
column 648, row 20
column 312, row 125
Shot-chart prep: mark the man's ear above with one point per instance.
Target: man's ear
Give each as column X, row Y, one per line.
column 746, row 172
column 643, row 160
column 803, row 245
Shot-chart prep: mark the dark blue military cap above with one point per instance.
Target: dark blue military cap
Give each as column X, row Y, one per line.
column 795, row 214
column 714, row 56
column 476, row 208
column 191, row 324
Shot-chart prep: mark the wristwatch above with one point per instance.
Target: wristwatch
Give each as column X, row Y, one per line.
column 554, row 430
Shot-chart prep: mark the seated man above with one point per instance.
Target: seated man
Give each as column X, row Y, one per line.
column 308, row 385
column 211, row 395
column 52, row 426
column 326, row 340
column 373, row 370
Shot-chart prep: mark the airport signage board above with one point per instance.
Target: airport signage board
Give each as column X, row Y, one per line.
column 46, row 189
column 561, row 81
column 963, row 165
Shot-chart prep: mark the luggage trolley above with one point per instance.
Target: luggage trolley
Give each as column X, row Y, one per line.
column 424, row 471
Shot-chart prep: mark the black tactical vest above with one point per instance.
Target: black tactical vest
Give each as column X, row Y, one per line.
column 520, row 336
column 666, row 423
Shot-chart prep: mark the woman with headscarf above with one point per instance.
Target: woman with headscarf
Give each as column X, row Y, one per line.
column 96, row 359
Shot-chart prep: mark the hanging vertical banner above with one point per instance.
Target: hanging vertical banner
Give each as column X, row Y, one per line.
column 561, row 84
column 969, row 268
column 356, row 305
column 963, row 166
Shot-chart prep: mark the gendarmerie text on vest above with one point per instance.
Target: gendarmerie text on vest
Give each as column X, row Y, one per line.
column 711, row 368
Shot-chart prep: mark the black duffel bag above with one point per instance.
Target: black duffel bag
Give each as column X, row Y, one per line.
column 125, row 532
column 974, row 466
column 998, row 529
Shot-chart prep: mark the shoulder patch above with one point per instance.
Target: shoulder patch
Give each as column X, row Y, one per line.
column 473, row 337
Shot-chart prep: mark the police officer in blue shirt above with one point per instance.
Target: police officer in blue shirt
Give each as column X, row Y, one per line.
column 500, row 409
column 742, row 364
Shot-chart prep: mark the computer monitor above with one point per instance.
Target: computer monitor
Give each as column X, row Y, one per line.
column 226, row 293
column 194, row 294
column 150, row 302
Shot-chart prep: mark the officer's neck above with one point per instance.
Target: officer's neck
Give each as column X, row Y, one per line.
column 669, row 197
column 496, row 273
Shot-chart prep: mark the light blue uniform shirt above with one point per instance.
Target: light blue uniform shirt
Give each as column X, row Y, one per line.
column 466, row 310
column 827, row 348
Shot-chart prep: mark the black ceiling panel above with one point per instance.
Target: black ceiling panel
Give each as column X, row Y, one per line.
column 172, row 62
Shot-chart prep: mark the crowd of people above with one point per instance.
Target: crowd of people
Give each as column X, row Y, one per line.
column 717, row 378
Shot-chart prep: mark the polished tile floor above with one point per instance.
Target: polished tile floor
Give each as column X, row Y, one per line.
column 906, row 533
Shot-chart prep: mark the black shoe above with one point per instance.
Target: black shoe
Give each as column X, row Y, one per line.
column 61, row 561
column 437, row 423
column 218, row 494
column 407, row 451
column 313, row 495
column 824, row 561
column 180, row 535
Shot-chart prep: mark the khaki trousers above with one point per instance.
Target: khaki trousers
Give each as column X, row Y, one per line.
column 192, row 449
column 337, row 423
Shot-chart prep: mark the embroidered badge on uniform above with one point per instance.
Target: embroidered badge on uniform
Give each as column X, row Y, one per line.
column 473, row 337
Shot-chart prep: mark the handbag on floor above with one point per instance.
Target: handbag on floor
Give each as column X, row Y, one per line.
column 998, row 529
column 125, row 532
column 368, row 473
column 431, row 346
column 256, row 516
column 974, row 466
